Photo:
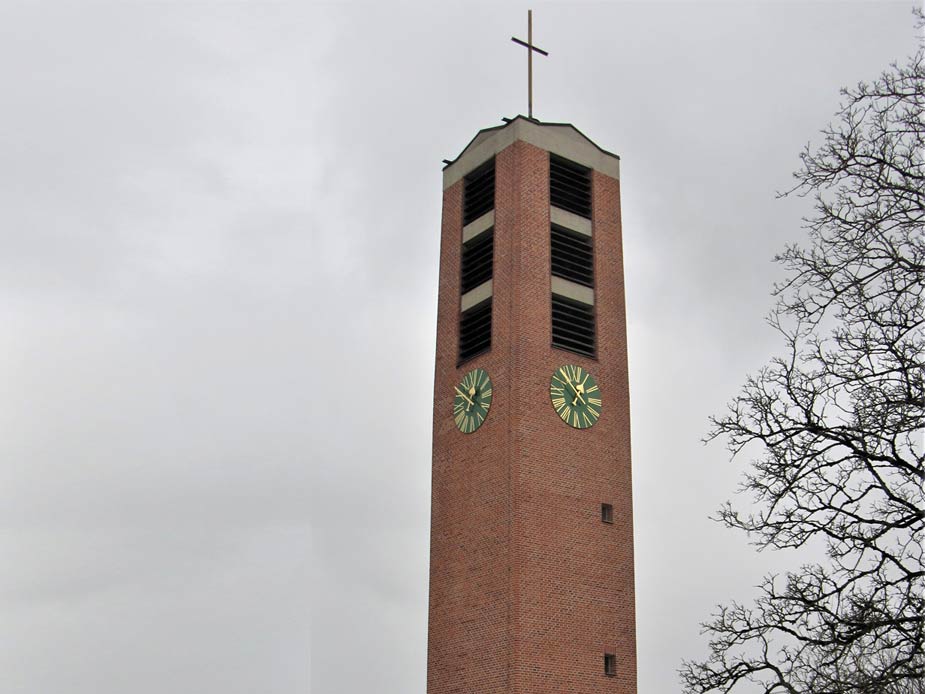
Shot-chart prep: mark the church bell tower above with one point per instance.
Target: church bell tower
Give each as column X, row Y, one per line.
column 531, row 565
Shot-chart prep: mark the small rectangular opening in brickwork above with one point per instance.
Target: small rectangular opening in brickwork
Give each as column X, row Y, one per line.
column 477, row 258
column 475, row 330
column 606, row 513
column 570, row 186
column 479, row 191
column 610, row 664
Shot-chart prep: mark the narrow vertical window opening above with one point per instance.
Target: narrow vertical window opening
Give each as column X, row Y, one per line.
column 570, row 186
column 610, row 664
column 573, row 325
column 606, row 513
column 477, row 258
column 475, row 330
column 479, row 191
column 572, row 256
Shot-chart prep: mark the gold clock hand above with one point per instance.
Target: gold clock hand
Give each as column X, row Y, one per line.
column 579, row 391
column 464, row 397
column 575, row 389
column 471, row 395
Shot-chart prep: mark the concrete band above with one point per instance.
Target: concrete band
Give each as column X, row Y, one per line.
column 475, row 296
column 483, row 223
column 562, row 139
column 569, row 220
column 572, row 290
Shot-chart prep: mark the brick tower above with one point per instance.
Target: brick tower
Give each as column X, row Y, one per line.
column 531, row 564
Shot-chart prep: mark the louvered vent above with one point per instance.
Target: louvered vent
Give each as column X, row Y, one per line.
column 572, row 256
column 572, row 325
column 479, row 192
column 570, row 186
column 477, row 260
column 475, row 330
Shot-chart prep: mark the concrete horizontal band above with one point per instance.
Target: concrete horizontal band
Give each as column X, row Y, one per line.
column 475, row 296
column 559, row 138
column 570, row 220
column 473, row 229
column 571, row 290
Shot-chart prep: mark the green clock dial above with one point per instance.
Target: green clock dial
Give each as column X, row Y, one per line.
column 472, row 400
column 575, row 396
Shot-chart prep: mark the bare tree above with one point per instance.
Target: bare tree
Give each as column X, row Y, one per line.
column 835, row 424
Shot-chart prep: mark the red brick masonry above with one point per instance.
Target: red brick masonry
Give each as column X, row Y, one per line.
column 528, row 588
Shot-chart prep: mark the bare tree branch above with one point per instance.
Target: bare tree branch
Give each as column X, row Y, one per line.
column 838, row 420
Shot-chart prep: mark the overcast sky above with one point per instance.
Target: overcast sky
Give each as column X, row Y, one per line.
column 218, row 268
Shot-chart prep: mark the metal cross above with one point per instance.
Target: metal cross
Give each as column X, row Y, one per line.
column 530, row 48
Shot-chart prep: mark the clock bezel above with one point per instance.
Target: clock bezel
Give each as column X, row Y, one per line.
column 464, row 399
column 561, row 388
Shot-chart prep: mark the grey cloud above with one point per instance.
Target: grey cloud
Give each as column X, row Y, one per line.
column 218, row 274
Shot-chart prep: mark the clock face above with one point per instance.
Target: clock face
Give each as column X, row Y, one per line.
column 575, row 396
column 473, row 398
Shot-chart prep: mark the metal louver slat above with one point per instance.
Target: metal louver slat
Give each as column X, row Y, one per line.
column 572, row 256
column 477, row 261
column 479, row 191
column 571, row 183
column 570, row 186
column 475, row 330
column 573, row 326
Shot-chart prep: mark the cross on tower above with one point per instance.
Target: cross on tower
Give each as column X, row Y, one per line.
column 530, row 48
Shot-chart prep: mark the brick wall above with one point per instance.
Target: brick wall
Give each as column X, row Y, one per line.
column 528, row 588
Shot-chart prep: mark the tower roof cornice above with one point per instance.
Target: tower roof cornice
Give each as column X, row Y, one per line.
column 563, row 139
